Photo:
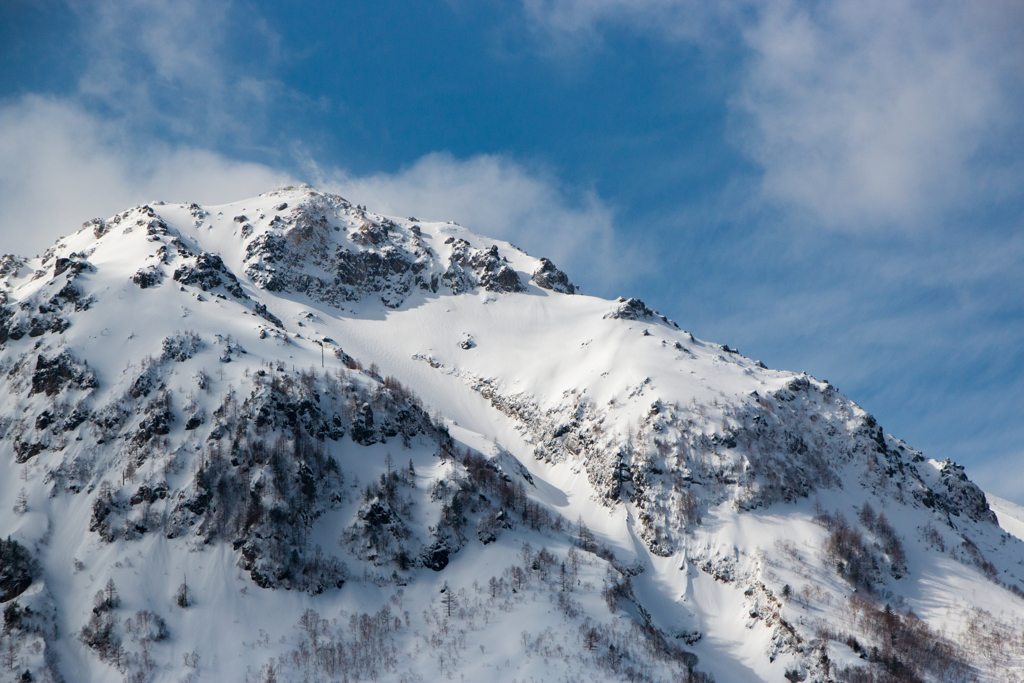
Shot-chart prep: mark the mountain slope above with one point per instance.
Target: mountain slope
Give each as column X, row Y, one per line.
column 290, row 439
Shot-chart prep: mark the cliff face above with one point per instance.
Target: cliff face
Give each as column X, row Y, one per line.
column 404, row 439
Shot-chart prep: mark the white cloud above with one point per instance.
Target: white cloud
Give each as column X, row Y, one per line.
column 498, row 197
column 871, row 112
column 581, row 20
column 60, row 166
column 164, row 65
column 861, row 113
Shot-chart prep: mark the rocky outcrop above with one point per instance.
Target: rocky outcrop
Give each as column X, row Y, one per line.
column 299, row 253
column 634, row 309
column 208, row 272
column 52, row 375
column 17, row 569
column 547, row 276
column 469, row 268
column 957, row 495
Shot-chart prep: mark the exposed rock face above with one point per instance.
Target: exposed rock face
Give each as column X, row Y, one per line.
column 207, row 271
column 17, row 569
column 148, row 277
column 548, row 276
column 634, row 309
column 11, row 264
column 54, row 374
column 631, row 309
column 49, row 309
column 957, row 495
column 300, row 252
column 469, row 268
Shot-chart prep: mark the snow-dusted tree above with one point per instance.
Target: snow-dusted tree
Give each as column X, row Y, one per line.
column 181, row 598
column 21, row 504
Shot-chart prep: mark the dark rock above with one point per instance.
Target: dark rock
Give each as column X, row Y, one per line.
column 362, row 430
column 148, row 277
column 77, row 417
column 23, row 451
column 957, row 495
column 157, row 420
column 436, row 556
column 17, row 569
column 261, row 310
column 634, row 309
column 99, row 227
column 378, row 514
column 801, row 383
column 147, row 494
column 143, row 385
column 469, row 268
column 72, row 266
column 51, row 376
column 10, row 264
column 198, row 504
column 44, row 420
column 209, row 272
column 631, row 309
column 547, row 276
column 69, row 293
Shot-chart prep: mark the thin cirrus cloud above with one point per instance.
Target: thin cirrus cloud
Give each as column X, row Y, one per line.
column 171, row 68
column 861, row 113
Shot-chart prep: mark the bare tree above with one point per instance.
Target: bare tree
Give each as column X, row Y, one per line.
column 448, row 600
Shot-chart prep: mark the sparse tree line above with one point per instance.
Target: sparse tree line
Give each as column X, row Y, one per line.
column 370, row 646
column 897, row 647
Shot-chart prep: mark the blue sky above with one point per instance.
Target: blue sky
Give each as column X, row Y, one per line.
column 831, row 187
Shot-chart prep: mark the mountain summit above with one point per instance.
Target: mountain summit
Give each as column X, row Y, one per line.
column 289, row 439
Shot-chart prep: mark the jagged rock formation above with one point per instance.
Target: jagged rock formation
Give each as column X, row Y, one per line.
column 550, row 277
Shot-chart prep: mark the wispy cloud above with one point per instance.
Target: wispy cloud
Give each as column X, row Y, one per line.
column 170, row 67
column 583, row 20
column 873, row 113
column 61, row 165
column 862, row 113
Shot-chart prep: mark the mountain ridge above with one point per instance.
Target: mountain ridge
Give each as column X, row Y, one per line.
column 201, row 426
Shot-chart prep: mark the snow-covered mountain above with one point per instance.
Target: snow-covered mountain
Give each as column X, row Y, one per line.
column 288, row 439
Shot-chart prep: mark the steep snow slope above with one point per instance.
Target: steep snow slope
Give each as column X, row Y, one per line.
column 301, row 441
